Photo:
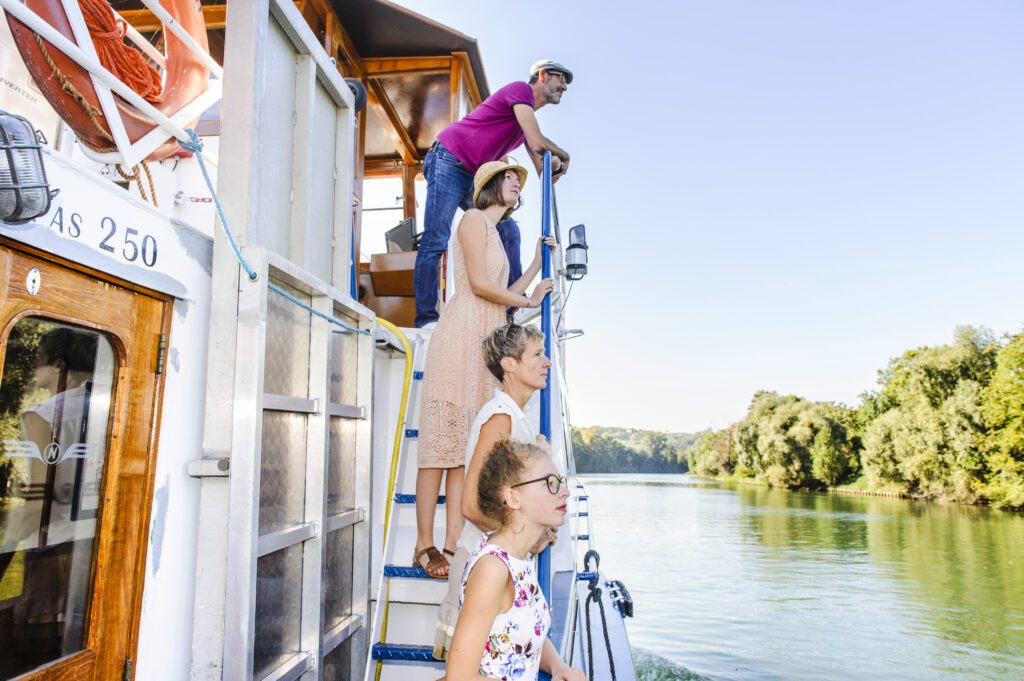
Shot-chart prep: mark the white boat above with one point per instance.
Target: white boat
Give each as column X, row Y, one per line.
column 221, row 488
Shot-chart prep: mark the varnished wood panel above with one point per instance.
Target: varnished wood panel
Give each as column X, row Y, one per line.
column 133, row 319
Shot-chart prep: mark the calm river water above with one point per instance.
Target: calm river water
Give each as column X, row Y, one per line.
column 743, row 582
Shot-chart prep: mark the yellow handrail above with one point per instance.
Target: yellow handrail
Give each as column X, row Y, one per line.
column 399, row 433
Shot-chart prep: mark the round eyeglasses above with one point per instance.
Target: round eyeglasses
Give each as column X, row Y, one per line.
column 555, row 482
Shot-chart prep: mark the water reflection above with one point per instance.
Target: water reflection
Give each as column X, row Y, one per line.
column 758, row 583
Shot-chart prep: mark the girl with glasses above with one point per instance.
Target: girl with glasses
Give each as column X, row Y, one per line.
column 503, row 624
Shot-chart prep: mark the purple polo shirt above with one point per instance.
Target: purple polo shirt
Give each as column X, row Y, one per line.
column 491, row 130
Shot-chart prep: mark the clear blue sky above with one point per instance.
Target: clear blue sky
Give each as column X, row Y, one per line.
column 778, row 195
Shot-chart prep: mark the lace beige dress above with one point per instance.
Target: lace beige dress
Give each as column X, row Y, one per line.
column 456, row 383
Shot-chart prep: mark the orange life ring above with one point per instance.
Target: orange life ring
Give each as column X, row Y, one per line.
column 69, row 89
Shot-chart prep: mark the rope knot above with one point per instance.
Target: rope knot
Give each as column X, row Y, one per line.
column 194, row 143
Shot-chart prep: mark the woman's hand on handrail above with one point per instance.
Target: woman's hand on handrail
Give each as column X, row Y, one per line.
column 550, row 241
column 545, row 287
column 533, row 270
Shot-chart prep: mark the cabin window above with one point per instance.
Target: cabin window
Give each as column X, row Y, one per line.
column 55, row 406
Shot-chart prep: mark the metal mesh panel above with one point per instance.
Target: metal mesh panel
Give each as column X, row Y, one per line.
column 344, row 363
column 278, row 609
column 286, row 369
column 338, row 662
column 282, row 471
column 338, row 577
column 341, row 466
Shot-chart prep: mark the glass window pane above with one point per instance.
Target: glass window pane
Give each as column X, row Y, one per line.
column 278, row 609
column 338, row 577
column 286, row 368
column 344, row 363
column 282, row 471
column 341, row 466
column 55, row 402
column 338, row 662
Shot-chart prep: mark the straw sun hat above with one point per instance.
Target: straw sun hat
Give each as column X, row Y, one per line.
column 488, row 170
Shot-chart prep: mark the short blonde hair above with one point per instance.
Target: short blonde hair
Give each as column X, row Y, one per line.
column 507, row 341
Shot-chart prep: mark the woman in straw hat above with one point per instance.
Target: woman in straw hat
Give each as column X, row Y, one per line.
column 456, row 382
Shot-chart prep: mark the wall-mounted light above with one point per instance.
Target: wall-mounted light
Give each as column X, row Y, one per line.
column 24, row 192
column 576, row 254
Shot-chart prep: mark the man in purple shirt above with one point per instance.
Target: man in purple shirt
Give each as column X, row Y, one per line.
column 501, row 123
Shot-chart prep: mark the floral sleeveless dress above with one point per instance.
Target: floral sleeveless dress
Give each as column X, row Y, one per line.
column 516, row 639
column 456, row 383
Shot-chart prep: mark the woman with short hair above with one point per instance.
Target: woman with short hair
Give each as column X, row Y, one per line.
column 515, row 356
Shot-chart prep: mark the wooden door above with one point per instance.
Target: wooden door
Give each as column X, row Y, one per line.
column 79, row 395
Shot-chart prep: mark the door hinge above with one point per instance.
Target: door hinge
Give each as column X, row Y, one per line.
column 126, row 673
column 161, row 353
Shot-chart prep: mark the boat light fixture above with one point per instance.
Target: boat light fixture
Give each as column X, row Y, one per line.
column 576, row 254
column 24, row 192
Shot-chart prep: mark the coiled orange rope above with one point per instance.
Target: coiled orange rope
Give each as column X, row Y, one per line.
column 124, row 61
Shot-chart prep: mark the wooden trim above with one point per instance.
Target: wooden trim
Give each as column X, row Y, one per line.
column 389, row 119
column 144, row 21
column 455, row 90
column 408, row 192
column 133, row 319
column 349, row 53
column 380, row 168
column 395, row 66
column 469, row 79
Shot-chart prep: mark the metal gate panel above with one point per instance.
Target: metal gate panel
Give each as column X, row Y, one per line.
column 283, row 576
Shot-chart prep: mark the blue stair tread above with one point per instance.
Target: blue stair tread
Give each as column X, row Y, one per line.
column 411, row 499
column 408, row 572
column 403, row 652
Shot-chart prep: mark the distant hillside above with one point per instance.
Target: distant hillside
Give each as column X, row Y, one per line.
column 599, row 449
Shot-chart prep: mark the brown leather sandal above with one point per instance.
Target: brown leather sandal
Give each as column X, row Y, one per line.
column 435, row 562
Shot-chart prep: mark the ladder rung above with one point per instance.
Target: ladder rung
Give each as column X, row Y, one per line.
column 403, row 572
column 411, row 499
column 403, row 652
column 583, row 497
column 584, row 537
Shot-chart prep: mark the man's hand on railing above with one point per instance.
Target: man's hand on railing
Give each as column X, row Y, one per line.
column 558, row 167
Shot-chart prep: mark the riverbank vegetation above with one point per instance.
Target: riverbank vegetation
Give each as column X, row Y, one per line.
column 944, row 422
column 629, row 450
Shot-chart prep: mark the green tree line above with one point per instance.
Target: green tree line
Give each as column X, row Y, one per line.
column 615, row 450
column 944, row 422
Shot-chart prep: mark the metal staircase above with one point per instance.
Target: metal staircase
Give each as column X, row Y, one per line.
column 405, row 607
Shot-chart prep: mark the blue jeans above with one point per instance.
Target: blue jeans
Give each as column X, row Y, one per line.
column 449, row 186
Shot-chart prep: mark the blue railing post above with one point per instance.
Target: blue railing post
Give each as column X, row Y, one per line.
column 353, row 263
column 544, row 559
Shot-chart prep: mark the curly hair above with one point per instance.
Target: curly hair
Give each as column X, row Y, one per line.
column 502, row 468
column 507, row 341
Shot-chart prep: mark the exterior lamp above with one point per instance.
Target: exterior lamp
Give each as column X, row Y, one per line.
column 24, row 192
column 576, row 254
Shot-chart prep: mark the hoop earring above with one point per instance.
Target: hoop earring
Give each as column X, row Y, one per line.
column 522, row 527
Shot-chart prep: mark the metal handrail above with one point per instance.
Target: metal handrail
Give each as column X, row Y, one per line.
column 544, row 559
